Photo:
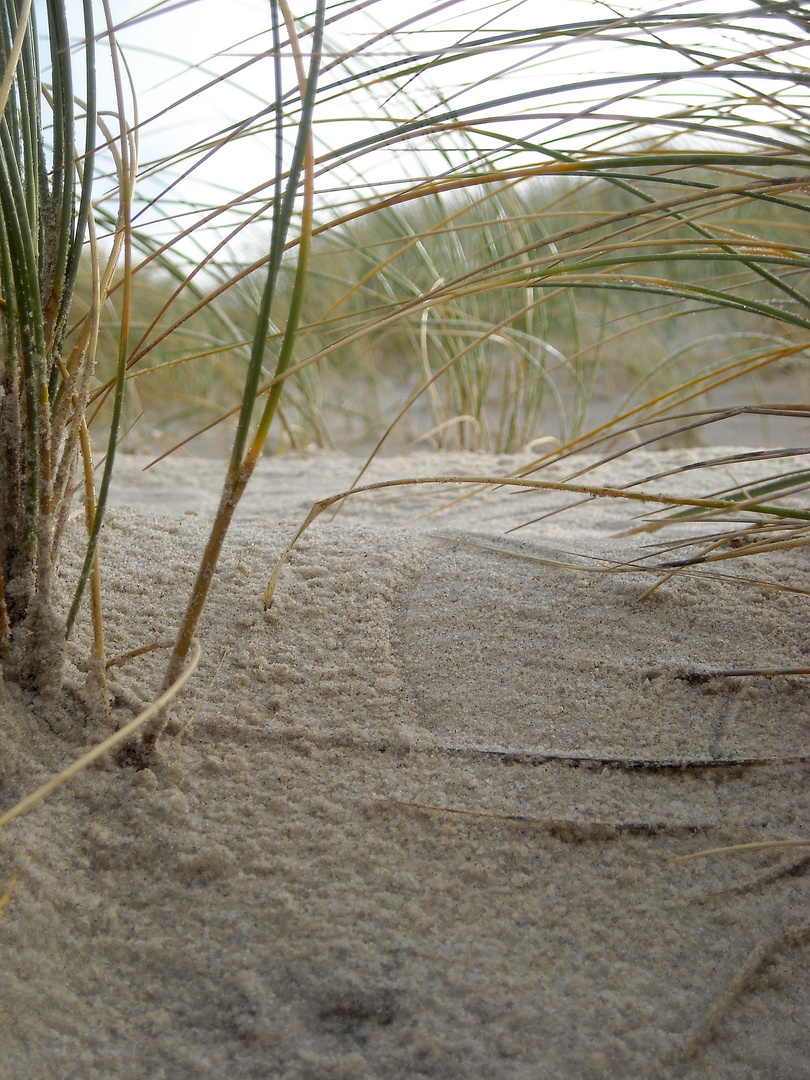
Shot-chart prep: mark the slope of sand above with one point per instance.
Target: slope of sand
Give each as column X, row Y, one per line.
column 417, row 823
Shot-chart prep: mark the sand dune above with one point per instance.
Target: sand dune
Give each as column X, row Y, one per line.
column 418, row 821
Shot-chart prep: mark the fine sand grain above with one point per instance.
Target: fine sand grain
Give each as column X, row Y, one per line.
column 418, row 820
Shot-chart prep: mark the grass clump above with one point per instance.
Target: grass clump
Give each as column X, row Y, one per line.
column 464, row 242
column 48, row 144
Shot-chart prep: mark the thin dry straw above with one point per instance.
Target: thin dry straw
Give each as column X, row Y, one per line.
column 756, row 957
column 16, row 49
column 103, row 747
column 758, row 845
column 484, row 482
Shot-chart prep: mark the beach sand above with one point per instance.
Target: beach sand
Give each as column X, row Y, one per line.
column 419, row 819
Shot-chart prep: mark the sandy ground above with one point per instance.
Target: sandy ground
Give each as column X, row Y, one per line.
column 419, row 820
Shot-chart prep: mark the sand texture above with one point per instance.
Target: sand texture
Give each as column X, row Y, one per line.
column 418, row 821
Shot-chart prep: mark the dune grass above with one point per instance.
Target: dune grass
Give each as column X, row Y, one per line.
column 461, row 238
column 520, row 364
column 544, row 237
column 46, row 221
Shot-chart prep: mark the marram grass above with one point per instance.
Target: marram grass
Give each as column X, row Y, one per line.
column 468, row 241
column 492, row 240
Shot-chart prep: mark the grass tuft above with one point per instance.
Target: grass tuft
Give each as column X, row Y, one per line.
column 463, row 245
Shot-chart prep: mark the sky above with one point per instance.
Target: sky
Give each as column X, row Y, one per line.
column 190, row 64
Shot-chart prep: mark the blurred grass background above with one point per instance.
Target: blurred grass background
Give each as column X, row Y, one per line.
column 545, row 361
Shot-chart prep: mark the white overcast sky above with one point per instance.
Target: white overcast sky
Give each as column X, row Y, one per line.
column 186, row 44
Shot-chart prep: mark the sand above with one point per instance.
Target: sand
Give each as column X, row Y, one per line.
column 418, row 821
